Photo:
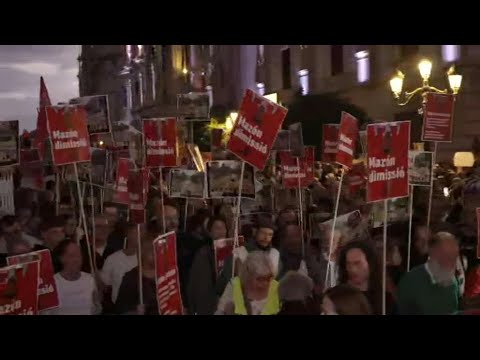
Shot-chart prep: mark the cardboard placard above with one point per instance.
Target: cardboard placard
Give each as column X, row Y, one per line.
column 167, row 278
column 47, row 287
column 67, row 127
column 256, row 129
column 388, row 145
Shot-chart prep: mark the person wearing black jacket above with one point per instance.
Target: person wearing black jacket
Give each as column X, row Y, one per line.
column 202, row 298
column 128, row 299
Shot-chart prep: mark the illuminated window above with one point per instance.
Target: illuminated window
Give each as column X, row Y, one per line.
column 210, row 94
column 363, row 66
column 303, row 77
column 450, row 53
column 140, row 88
column 261, row 88
column 140, row 50
column 154, row 81
column 261, row 54
column 128, row 49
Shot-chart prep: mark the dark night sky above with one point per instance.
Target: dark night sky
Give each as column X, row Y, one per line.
column 20, row 69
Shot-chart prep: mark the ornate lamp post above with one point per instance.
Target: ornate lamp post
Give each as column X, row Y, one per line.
column 403, row 98
column 425, row 69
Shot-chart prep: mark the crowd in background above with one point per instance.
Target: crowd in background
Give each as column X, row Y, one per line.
column 276, row 271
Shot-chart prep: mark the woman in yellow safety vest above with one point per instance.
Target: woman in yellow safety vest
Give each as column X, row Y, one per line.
column 254, row 291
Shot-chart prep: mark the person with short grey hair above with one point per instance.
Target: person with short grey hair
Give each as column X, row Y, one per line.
column 432, row 288
column 254, row 291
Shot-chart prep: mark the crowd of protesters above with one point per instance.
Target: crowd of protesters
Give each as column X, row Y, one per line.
column 276, row 271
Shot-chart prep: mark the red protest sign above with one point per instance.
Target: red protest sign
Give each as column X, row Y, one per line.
column 47, row 288
column 478, row 233
column 166, row 275
column 160, row 142
column 121, row 195
column 290, row 168
column 387, row 152
column 256, row 128
column 347, row 139
column 68, row 131
column 138, row 181
column 330, row 142
column 356, row 177
column 18, row 289
column 223, row 248
column 438, row 118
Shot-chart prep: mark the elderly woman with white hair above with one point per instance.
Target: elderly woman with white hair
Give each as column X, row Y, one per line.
column 254, row 291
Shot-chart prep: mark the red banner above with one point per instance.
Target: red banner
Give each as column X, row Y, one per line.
column 387, row 152
column 121, row 195
column 18, row 289
column 68, row 131
column 160, row 142
column 356, row 178
column 223, row 248
column 47, row 288
column 167, row 278
column 438, row 118
column 256, row 128
column 347, row 139
column 138, row 181
column 330, row 142
column 290, row 169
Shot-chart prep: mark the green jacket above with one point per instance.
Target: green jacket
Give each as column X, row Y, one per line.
column 418, row 294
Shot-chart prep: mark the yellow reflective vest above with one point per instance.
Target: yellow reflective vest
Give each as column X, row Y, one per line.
column 272, row 306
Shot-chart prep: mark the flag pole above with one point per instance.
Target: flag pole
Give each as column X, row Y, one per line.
column 82, row 216
column 332, row 235
column 237, row 220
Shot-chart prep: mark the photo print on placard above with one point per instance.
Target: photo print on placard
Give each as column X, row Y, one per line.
column 223, row 179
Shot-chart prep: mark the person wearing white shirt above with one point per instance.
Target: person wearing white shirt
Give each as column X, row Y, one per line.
column 77, row 291
column 120, row 262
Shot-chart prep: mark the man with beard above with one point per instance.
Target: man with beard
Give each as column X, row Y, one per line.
column 262, row 241
column 432, row 288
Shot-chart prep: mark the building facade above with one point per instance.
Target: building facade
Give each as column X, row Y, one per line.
column 143, row 80
column 361, row 74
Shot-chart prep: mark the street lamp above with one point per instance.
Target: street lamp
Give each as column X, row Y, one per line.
column 425, row 69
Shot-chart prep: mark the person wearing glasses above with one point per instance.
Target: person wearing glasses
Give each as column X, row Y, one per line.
column 254, row 291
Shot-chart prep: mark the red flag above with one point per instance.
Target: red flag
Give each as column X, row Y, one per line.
column 347, row 139
column 42, row 133
column 44, row 97
column 387, row 152
column 167, row 278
